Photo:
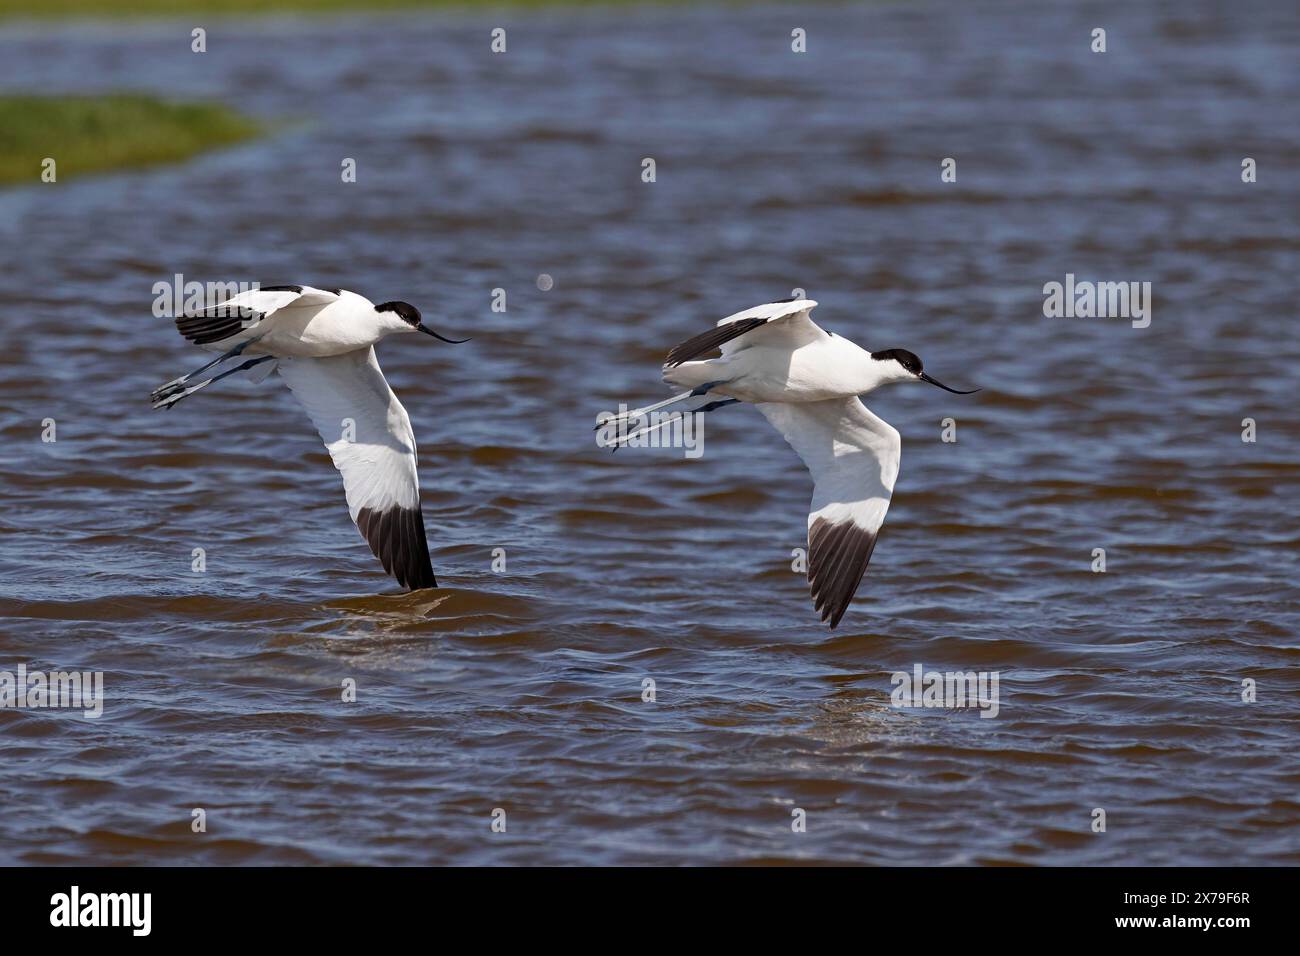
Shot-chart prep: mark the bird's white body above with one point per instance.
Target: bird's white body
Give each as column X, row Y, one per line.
column 788, row 359
column 321, row 341
column 806, row 382
column 314, row 324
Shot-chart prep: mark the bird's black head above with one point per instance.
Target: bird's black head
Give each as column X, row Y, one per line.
column 405, row 311
column 411, row 316
column 912, row 370
column 909, row 360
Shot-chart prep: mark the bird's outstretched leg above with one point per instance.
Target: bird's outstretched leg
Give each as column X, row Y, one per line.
column 638, row 412
column 175, row 385
column 669, row 419
column 175, row 396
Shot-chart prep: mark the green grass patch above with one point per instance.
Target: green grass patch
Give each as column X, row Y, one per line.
column 85, row 134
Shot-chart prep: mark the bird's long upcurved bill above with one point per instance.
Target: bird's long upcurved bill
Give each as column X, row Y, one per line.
column 934, row 381
column 428, row 331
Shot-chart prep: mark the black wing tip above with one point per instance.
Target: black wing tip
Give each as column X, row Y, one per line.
column 205, row 329
column 838, row 554
column 222, row 320
column 708, row 341
column 396, row 536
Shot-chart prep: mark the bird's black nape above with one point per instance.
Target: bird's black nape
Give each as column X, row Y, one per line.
column 405, row 311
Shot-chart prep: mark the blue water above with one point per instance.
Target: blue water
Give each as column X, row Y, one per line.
column 521, row 689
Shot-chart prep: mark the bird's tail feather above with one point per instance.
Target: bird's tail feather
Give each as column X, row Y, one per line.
column 693, row 375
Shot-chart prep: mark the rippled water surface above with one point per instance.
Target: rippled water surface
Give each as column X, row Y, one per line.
column 522, row 689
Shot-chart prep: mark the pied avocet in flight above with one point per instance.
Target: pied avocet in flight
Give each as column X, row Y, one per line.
column 321, row 341
column 806, row 382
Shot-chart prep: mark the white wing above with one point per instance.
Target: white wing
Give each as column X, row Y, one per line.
column 787, row 324
column 853, row 457
column 240, row 313
column 368, row 434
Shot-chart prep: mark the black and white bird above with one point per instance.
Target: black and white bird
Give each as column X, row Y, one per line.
column 321, row 341
column 806, row 382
